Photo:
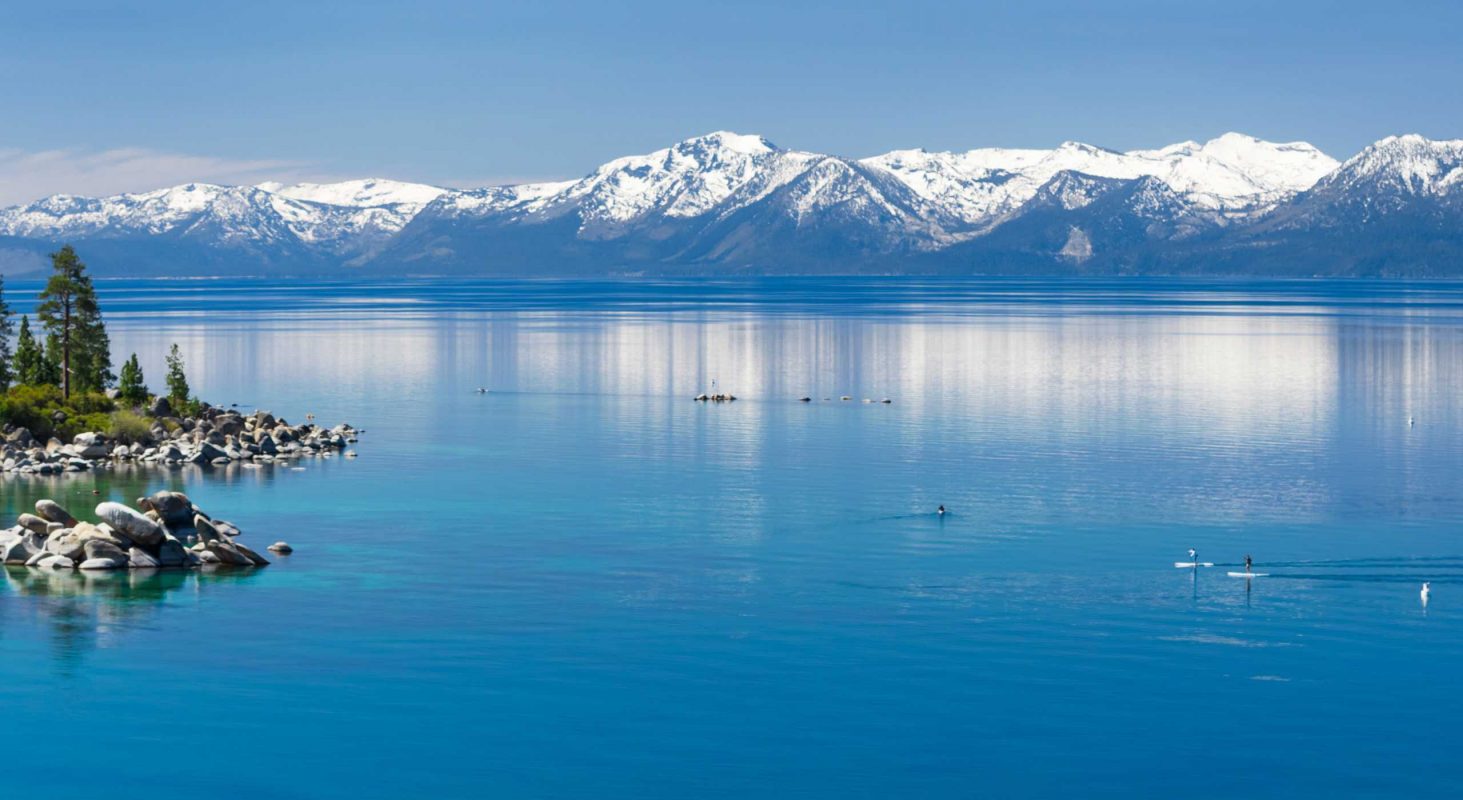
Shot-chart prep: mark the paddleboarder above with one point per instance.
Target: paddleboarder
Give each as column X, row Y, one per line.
column 1249, row 562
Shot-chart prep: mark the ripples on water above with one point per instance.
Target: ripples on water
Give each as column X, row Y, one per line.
column 582, row 582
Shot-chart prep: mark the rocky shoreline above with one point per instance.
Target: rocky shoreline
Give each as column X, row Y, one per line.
column 168, row 533
column 213, row 437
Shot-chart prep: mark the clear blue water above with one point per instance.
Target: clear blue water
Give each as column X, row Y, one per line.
column 584, row 584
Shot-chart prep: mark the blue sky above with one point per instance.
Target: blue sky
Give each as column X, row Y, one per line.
column 104, row 96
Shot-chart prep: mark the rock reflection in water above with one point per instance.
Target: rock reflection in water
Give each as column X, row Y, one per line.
column 124, row 483
column 84, row 609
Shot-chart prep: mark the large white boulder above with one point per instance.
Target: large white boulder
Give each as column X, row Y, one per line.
column 130, row 523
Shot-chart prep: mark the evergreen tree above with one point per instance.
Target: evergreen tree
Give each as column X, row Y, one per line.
column 7, row 327
column 69, row 311
column 28, row 358
column 131, row 388
column 51, row 361
column 177, row 381
column 91, row 362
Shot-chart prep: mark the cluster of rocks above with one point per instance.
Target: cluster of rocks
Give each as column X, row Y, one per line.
column 169, row 533
column 845, row 398
column 214, row 437
column 714, row 398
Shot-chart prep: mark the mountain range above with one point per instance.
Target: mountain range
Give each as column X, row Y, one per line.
column 727, row 203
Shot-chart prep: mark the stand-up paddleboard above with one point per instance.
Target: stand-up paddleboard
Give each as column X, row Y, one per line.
column 1249, row 574
column 1192, row 564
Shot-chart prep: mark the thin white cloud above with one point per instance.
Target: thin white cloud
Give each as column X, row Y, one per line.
column 30, row 175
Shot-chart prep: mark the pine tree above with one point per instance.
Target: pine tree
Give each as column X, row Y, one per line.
column 69, row 311
column 130, row 388
column 28, row 356
column 7, row 327
column 91, row 362
column 51, row 361
column 177, row 381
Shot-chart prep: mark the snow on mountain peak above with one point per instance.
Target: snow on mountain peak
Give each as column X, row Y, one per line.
column 364, row 193
column 1407, row 164
column 716, row 179
column 748, row 144
column 684, row 180
column 1233, row 173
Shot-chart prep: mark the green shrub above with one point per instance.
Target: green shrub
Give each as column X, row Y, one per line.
column 35, row 407
column 130, row 427
column 92, row 403
column 31, row 407
column 81, row 423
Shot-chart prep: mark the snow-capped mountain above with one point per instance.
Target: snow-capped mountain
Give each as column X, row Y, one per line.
column 1078, row 218
column 271, row 223
column 365, row 193
column 1396, row 208
column 727, row 202
column 686, row 180
column 1234, row 174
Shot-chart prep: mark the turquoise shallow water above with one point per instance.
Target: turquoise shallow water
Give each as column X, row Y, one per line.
column 583, row 583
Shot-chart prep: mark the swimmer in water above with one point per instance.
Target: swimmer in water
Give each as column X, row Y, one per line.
column 940, row 511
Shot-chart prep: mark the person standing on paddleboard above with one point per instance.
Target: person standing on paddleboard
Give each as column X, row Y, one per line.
column 1248, row 562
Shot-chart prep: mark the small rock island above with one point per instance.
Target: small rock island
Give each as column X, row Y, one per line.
column 168, row 533
column 212, row 436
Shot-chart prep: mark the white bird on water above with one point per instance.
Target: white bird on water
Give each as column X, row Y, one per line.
column 1426, row 590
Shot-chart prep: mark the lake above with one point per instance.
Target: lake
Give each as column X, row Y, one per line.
column 583, row 583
